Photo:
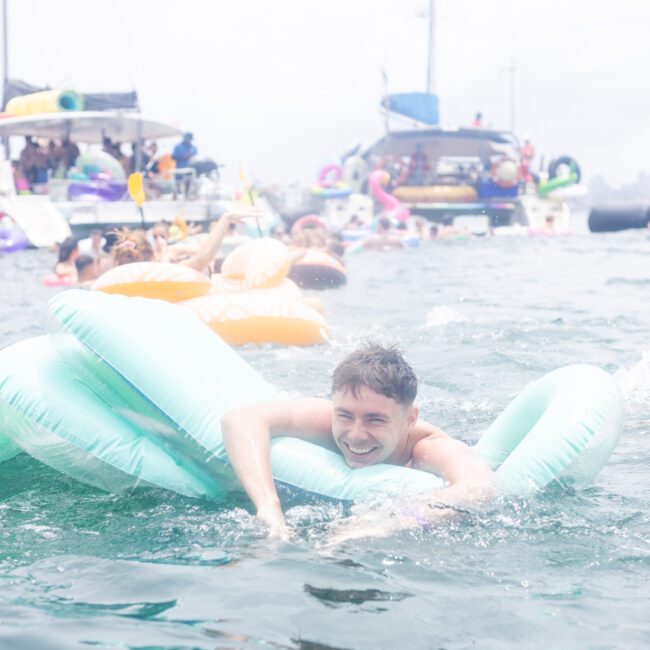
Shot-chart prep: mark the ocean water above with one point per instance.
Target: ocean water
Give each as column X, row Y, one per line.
column 478, row 319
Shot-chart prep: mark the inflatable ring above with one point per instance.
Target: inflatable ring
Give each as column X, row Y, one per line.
column 94, row 401
column 12, row 236
column 308, row 221
column 564, row 161
column 505, row 173
column 330, row 175
column 317, row 269
column 330, row 184
column 54, row 280
column 338, row 191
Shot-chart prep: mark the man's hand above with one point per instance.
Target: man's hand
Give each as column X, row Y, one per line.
column 274, row 519
column 238, row 215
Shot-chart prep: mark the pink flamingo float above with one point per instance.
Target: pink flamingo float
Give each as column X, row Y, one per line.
column 393, row 207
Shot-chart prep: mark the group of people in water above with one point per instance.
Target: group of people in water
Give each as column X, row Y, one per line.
column 81, row 261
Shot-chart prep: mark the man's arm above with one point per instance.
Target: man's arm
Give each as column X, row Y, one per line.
column 247, row 432
column 470, row 480
column 209, row 247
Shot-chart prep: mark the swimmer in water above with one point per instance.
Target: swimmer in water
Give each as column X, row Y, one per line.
column 370, row 419
column 384, row 239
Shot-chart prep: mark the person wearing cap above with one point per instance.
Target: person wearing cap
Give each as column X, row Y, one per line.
column 184, row 151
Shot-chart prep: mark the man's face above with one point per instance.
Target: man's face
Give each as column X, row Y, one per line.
column 370, row 428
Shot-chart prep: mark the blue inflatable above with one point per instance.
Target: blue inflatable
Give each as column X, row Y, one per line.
column 97, row 401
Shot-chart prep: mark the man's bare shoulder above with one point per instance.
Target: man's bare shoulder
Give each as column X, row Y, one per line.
column 424, row 438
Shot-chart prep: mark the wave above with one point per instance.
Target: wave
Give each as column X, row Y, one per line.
column 635, row 380
column 442, row 315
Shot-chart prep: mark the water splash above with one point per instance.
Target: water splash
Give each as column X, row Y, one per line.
column 442, row 315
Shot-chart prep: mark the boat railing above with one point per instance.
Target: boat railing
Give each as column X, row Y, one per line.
column 182, row 184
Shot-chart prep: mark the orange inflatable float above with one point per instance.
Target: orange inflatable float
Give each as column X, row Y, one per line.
column 260, row 316
column 252, row 301
column 435, row 193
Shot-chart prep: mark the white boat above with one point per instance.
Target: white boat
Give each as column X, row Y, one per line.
column 49, row 217
column 445, row 173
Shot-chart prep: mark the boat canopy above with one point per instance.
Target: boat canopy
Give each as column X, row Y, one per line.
column 92, row 101
column 422, row 107
column 88, row 126
column 440, row 143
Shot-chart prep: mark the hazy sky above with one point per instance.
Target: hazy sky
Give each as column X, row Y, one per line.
column 285, row 86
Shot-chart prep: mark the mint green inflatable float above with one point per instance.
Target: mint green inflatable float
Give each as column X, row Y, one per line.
column 98, row 400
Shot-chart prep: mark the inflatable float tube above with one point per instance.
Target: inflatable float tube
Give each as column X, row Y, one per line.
column 12, row 236
column 260, row 316
column 557, row 183
column 96, row 191
column 564, row 161
column 54, row 280
column 339, row 191
column 46, row 101
column 99, row 402
column 614, row 218
column 308, row 221
column 317, row 269
column 436, row 193
column 356, row 235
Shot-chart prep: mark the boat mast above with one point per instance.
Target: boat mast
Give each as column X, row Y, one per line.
column 431, row 67
column 5, row 66
column 511, row 69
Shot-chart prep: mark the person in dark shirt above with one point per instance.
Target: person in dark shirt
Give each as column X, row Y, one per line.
column 184, row 151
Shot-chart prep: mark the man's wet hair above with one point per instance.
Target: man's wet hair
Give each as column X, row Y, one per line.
column 382, row 369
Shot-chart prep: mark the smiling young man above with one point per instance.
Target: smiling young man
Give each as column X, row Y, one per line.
column 370, row 419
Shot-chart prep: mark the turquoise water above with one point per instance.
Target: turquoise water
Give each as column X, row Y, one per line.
column 478, row 319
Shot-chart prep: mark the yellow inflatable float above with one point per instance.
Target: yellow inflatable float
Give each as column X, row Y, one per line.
column 435, row 194
column 161, row 280
column 46, row 101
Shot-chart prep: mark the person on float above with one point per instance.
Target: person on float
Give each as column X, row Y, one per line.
column 384, row 239
column 370, row 419
column 93, row 245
